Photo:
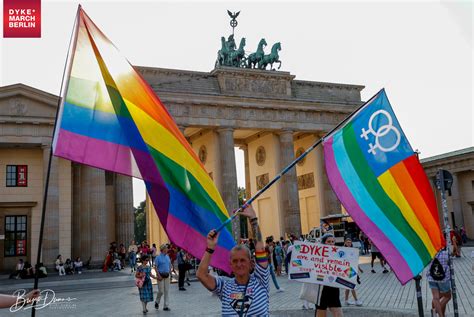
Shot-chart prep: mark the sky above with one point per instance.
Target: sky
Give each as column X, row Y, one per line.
column 420, row 52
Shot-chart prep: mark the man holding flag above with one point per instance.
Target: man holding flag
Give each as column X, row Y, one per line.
column 247, row 294
column 110, row 118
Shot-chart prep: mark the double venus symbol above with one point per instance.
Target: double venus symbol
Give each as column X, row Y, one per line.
column 382, row 131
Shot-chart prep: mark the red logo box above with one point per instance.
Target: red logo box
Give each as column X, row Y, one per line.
column 21, row 18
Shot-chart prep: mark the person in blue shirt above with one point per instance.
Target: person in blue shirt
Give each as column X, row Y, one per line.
column 163, row 273
column 247, row 294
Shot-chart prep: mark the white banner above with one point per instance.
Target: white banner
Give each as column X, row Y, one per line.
column 324, row 264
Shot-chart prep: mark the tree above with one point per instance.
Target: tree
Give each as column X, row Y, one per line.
column 242, row 195
column 243, row 220
column 140, row 223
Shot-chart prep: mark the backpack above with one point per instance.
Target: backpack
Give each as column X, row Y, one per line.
column 437, row 271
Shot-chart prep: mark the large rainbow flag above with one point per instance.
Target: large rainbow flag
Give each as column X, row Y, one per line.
column 377, row 176
column 111, row 119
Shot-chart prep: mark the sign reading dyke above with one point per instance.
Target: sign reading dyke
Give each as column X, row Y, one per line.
column 324, row 264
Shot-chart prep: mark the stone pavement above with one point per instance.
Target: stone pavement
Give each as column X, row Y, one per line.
column 107, row 294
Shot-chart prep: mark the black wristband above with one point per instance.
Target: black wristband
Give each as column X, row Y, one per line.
column 209, row 250
column 253, row 219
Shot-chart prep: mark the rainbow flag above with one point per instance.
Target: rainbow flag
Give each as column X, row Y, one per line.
column 377, row 176
column 111, row 119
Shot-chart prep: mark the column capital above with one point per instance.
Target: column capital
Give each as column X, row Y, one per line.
column 319, row 135
column 285, row 135
column 225, row 129
column 285, row 131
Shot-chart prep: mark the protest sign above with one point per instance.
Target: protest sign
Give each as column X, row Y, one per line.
column 324, row 264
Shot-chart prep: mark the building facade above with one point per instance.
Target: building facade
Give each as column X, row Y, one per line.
column 87, row 208
column 461, row 197
column 273, row 118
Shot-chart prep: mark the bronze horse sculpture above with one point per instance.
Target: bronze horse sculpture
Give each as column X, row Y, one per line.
column 236, row 57
column 222, row 53
column 271, row 58
column 254, row 58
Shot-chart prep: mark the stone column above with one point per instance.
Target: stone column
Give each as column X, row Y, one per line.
column 328, row 201
column 229, row 175
column 50, row 249
column 124, row 218
column 97, row 213
column 110, row 206
column 289, row 185
column 332, row 203
column 319, row 180
column 84, row 211
column 456, row 200
column 76, row 210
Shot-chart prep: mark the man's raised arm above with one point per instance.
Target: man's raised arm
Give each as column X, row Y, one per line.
column 203, row 273
column 260, row 253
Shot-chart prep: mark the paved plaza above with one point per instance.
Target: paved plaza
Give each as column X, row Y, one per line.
column 112, row 294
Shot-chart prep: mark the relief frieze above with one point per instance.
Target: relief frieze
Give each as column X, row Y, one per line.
column 262, row 181
column 306, row 181
column 260, row 86
column 18, row 107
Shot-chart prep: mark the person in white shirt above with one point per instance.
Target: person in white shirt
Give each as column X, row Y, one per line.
column 60, row 265
column 18, row 268
column 78, row 265
column 247, row 294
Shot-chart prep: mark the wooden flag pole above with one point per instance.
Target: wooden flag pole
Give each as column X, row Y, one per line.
column 440, row 183
column 67, row 69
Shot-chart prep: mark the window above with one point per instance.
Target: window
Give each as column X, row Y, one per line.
column 17, row 175
column 15, row 236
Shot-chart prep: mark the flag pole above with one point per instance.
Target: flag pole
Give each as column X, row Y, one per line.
column 419, row 297
column 440, row 180
column 296, row 160
column 67, row 69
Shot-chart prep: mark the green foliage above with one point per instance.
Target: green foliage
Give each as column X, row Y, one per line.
column 140, row 223
column 241, row 193
column 243, row 220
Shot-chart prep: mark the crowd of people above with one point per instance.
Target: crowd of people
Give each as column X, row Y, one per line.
column 253, row 263
column 24, row 270
column 159, row 265
column 68, row 267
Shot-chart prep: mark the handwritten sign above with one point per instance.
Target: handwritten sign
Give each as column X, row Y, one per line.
column 324, row 264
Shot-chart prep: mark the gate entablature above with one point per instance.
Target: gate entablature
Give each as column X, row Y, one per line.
column 251, row 99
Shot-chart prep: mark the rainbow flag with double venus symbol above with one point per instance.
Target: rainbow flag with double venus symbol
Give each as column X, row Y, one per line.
column 111, row 119
column 377, row 177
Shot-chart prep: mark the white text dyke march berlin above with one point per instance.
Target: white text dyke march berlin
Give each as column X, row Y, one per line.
column 324, row 264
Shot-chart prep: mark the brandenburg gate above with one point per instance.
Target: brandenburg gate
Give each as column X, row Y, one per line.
column 273, row 118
